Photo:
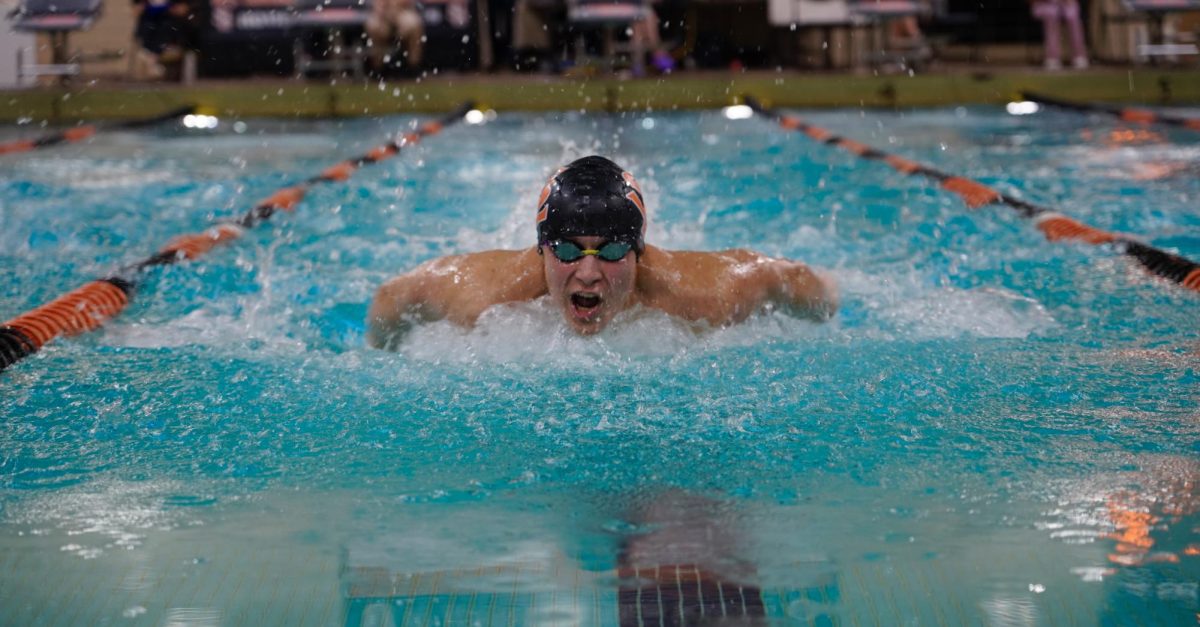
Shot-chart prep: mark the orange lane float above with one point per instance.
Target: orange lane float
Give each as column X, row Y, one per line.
column 1054, row 225
column 195, row 245
column 1127, row 114
column 88, row 307
column 1058, row 227
column 975, row 194
column 286, row 198
column 80, row 133
column 75, row 312
column 339, row 172
column 21, row 145
column 902, row 165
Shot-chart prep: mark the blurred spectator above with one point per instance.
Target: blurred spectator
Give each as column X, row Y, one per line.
column 644, row 35
column 165, row 30
column 906, row 32
column 500, row 21
column 909, row 42
column 542, row 28
column 537, row 33
column 1051, row 12
column 398, row 19
column 895, row 40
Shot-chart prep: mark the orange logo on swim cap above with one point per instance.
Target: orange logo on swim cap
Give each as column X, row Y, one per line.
column 632, row 182
column 635, row 196
column 543, row 206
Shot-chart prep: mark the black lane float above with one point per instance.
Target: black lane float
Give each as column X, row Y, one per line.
column 1128, row 114
column 91, row 305
column 1054, row 225
column 80, row 133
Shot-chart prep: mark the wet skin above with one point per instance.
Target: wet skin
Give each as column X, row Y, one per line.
column 589, row 291
column 710, row 289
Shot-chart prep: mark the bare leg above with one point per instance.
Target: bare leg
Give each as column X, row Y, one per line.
column 1070, row 12
column 644, row 34
column 646, row 29
column 410, row 29
column 379, row 36
column 1048, row 12
column 906, row 30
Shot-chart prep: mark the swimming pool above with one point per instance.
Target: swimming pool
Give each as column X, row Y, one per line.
column 994, row 430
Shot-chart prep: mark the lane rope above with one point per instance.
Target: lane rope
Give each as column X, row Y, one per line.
column 1127, row 114
column 1055, row 225
column 80, row 133
column 88, row 307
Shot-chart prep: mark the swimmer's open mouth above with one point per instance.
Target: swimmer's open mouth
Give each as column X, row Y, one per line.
column 585, row 301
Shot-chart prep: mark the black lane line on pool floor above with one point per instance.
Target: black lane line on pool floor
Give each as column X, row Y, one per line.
column 1054, row 225
column 90, row 306
column 80, row 133
column 1128, row 114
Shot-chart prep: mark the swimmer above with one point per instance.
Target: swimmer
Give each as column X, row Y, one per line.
column 591, row 262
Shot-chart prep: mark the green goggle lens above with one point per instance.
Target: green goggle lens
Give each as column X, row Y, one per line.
column 567, row 252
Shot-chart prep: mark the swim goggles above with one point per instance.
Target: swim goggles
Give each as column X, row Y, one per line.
column 569, row 252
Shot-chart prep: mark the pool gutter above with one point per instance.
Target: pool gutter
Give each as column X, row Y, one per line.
column 518, row 92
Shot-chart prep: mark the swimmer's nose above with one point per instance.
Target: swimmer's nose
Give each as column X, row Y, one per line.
column 589, row 269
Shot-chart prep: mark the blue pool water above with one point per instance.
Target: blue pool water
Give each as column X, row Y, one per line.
column 995, row 429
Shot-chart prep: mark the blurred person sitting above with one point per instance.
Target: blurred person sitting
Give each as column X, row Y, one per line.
column 906, row 32
column 643, row 34
column 636, row 19
column 906, row 37
column 895, row 31
column 1051, row 12
column 165, row 31
column 399, row 20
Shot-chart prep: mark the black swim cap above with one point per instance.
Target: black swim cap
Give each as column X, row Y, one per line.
column 592, row 196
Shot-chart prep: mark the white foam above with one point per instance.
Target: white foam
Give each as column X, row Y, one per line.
column 535, row 332
column 1133, row 162
column 1011, row 611
column 906, row 306
column 808, row 237
column 203, row 327
column 103, row 515
column 88, row 174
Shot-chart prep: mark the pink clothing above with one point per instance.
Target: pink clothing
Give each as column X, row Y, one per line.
column 1069, row 10
column 1050, row 12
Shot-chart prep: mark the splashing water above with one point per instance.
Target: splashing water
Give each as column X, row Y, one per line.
column 1009, row 422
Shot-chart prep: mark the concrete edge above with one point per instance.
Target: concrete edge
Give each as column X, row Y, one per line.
column 295, row 99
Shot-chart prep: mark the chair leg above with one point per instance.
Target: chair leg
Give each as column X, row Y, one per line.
column 639, row 57
column 58, row 48
column 21, row 66
column 188, row 71
column 610, row 49
column 131, row 69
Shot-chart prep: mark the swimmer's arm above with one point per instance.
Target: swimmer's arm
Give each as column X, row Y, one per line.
column 399, row 305
column 802, row 292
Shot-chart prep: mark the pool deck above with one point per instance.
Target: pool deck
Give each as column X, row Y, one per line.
column 279, row 97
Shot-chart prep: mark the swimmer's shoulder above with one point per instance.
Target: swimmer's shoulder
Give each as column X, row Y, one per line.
column 702, row 267
column 459, row 267
column 699, row 285
column 458, row 288
column 479, row 280
column 726, row 286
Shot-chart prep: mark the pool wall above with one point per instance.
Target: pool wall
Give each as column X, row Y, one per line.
column 278, row 97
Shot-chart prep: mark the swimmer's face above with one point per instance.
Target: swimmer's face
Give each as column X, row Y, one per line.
column 590, row 291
